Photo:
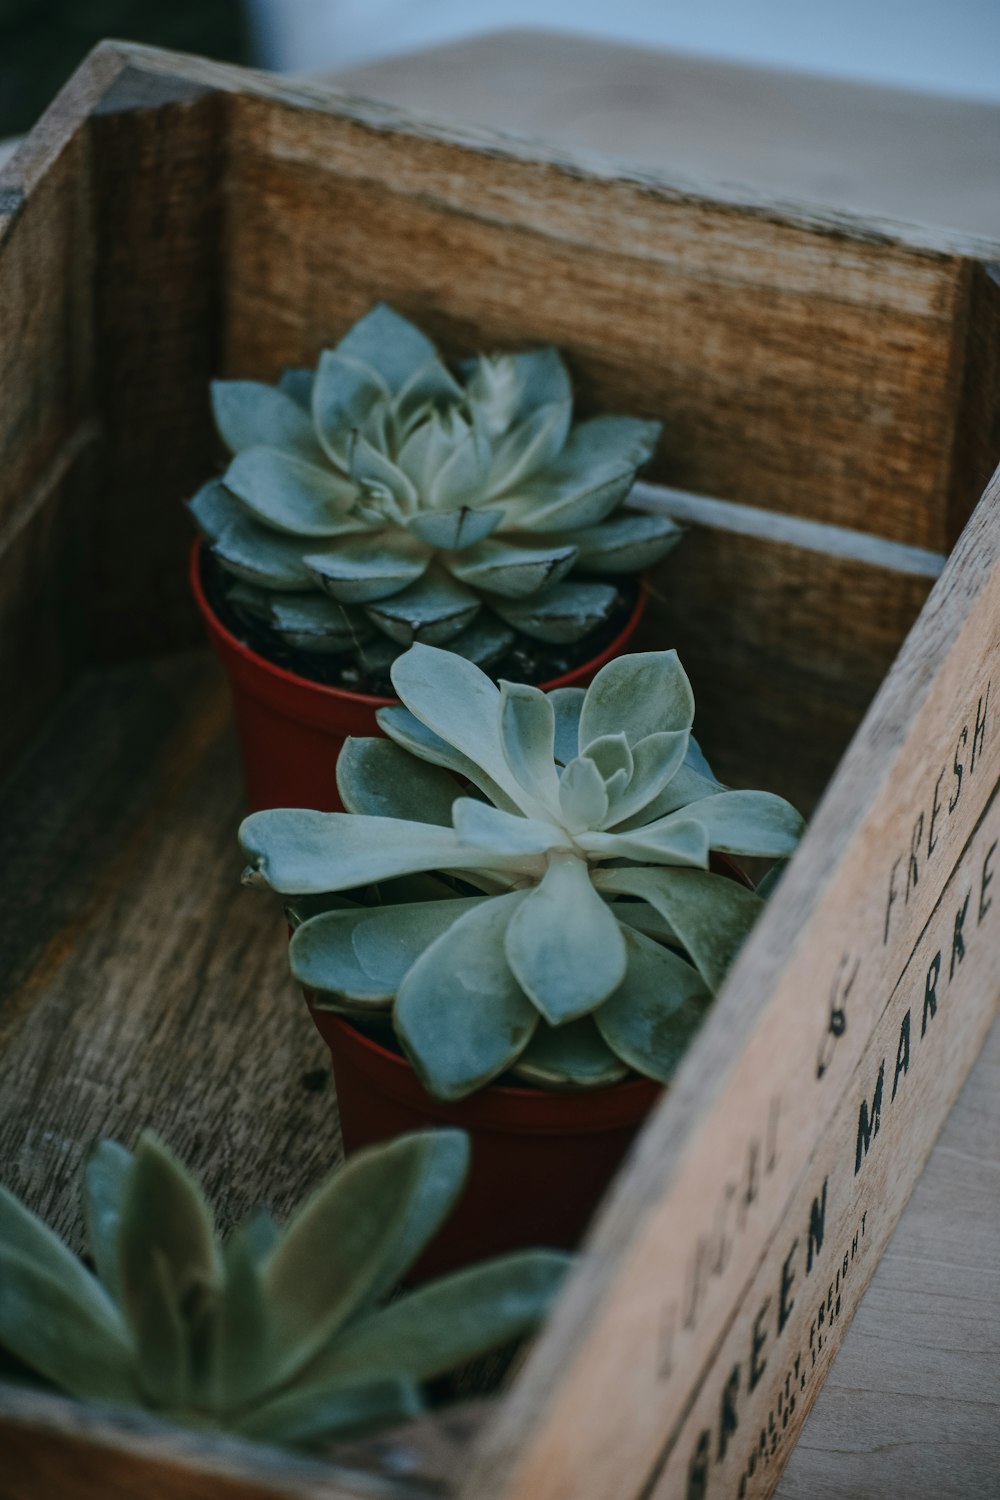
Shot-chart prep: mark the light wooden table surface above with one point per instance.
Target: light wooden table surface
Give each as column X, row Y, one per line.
column 911, row 1409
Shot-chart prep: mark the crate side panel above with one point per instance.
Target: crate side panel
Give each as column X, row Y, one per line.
column 785, row 649
column 158, row 225
column 47, row 437
column 804, row 371
column 976, row 449
column 791, row 1116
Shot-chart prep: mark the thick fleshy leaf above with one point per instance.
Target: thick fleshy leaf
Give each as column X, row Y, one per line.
column 486, row 827
column 583, row 796
column 527, row 735
column 77, row 1346
column 563, row 613
column 461, row 705
column 532, row 446
column 566, row 500
column 484, row 641
column 573, row 1056
column 638, row 695
column 408, row 731
column 242, row 1354
column 432, row 384
column 298, row 384
column 628, row 441
column 390, row 344
column 366, row 953
column 429, row 446
column 656, row 760
column 375, row 776
column 711, row 914
column 162, row 1348
column 104, row 1182
column 613, row 758
column 356, row 1236
column 755, row 823
column 460, row 1014
column 461, row 478
column 564, row 947
column 164, row 1218
column 432, row 610
column 344, row 392
column 696, row 761
column 371, row 565
column 567, row 704
column 624, row 545
column 502, row 567
column 454, row 530
column 25, row 1235
column 684, row 787
column 299, row 852
column 381, row 480
column 678, row 840
column 290, row 495
column 249, row 414
column 449, row 1321
column 245, row 547
column 641, row 916
column 316, row 1415
column 314, row 622
column 652, row 1017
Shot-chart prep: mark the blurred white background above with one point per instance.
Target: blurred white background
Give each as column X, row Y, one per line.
column 945, row 46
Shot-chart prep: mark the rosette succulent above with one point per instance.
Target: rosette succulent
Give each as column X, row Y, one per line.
column 384, row 499
column 574, row 928
column 284, row 1337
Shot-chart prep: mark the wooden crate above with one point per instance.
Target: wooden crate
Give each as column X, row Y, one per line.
column 830, row 393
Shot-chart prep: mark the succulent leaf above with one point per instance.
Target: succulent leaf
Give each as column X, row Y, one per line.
column 365, row 954
column 573, row 1055
column 318, row 1415
column 248, row 413
column 460, row 1014
column 369, row 565
column 290, row 496
column 638, row 695
column 564, row 945
column 654, row 1014
column 248, row 550
column 625, row 545
column 105, row 1179
column 433, row 610
column 378, row 777
column 390, row 344
column 561, row 613
column 25, row 1236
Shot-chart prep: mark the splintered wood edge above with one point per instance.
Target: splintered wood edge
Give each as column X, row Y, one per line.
column 527, row 1453
column 124, row 75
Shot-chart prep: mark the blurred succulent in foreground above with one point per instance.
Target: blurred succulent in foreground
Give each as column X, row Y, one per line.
column 282, row 1337
column 591, row 934
column 382, row 500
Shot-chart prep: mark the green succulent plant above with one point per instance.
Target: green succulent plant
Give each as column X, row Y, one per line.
column 591, row 934
column 282, row 1337
column 382, row 500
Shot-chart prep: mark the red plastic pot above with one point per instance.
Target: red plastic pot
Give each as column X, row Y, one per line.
column 540, row 1160
column 291, row 730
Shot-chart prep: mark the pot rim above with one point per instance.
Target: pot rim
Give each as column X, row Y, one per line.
column 328, row 693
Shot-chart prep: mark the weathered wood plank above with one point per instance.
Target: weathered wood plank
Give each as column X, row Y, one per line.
column 709, row 1200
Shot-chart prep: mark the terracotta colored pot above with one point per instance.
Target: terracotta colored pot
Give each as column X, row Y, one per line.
column 540, row 1160
column 291, row 730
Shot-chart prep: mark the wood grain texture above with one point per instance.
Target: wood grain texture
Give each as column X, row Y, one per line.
column 909, row 1407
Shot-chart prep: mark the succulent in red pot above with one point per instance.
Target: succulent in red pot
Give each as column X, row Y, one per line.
column 540, row 919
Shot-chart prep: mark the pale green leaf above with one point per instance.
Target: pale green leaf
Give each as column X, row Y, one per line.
column 317, row 1415
column 433, row 610
column 290, row 495
column 105, row 1179
column 299, row 852
column 560, row 614
column 377, row 777
column 754, row 823
column 76, row 1343
column 656, row 760
column 245, row 547
column 527, row 736
column 366, row 953
column 482, row 642
column 379, row 478
column 390, row 344
column 564, row 946
column 298, row 384
column 684, row 787
column 461, row 478
column 530, row 447
column 448, row 1322
column 23, row 1233
column 652, row 1017
column 454, row 530
column 638, row 695
column 355, row 1237
column 371, row 565
column 678, row 840
column 249, row 414
column 583, row 796
column 460, row 1014
column 162, row 1350
column 485, row 827
column 628, row 441
column 567, row 704
column 573, row 1056
column 414, row 736
column 711, row 914
column 568, row 499
column 344, row 392
column 242, row 1364
column 516, row 572
column 612, row 756
column 626, row 544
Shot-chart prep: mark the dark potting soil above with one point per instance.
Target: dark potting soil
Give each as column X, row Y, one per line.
column 527, row 660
